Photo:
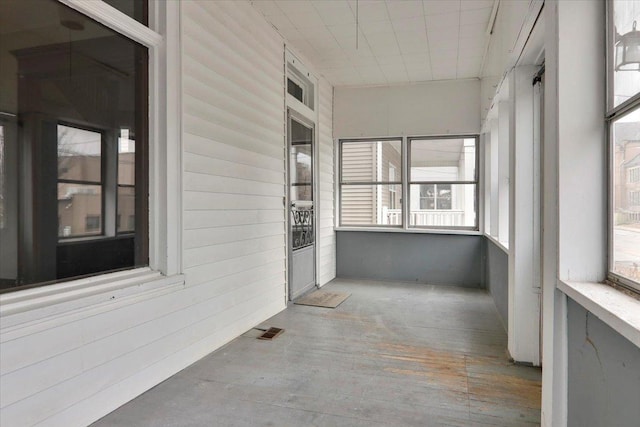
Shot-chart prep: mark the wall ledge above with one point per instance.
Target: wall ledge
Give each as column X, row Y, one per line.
column 498, row 243
column 411, row 230
column 30, row 310
column 618, row 310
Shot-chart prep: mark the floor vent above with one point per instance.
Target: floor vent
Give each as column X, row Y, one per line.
column 271, row 333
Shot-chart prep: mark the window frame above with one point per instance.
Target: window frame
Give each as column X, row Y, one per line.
column 476, row 182
column 613, row 113
column 341, row 183
column 404, row 182
column 164, row 165
column 103, row 185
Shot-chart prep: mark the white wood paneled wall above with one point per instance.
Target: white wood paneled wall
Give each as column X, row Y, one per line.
column 326, row 232
column 233, row 138
column 72, row 363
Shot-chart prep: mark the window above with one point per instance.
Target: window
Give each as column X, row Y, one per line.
column 442, row 187
column 299, row 82
column 294, row 89
column 435, row 196
column 623, row 117
column 443, row 182
column 369, row 186
column 79, row 182
column 74, row 100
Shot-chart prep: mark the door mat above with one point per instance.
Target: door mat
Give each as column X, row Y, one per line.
column 323, row 299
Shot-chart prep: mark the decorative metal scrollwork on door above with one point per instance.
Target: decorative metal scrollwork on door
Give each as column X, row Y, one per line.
column 301, row 227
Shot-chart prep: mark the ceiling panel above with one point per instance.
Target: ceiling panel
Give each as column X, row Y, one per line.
column 397, row 40
column 436, row 7
column 405, row 9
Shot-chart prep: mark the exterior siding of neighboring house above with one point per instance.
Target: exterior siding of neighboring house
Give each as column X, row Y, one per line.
column 369, row 162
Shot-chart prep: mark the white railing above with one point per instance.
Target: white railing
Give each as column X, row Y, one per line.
column 425, row 217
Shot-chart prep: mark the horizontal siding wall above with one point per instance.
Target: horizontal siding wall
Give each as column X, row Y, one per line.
column 327, row 234
column 70, row 364
column 234, row 145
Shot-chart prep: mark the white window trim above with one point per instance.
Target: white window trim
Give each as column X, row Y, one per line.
column 165, row 163
column 405, row 183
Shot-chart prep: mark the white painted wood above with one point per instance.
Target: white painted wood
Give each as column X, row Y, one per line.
column 574, row 158
column 326, row 265
column 618, row 310
column 485, row 181
column 554, row 390
column 524, row 298
column 435, row 108
column 504, row 108
column 493, row 178
column 119, row 21
column 92, row 352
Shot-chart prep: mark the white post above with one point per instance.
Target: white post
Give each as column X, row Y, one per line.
column 524, row 297
column 504, row 108
column 493, row 175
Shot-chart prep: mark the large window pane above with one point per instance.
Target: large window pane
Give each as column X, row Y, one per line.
column 371, row 205
column 73, row 99
column 446, row 159
column 443, row 205
column 626, row 53
column 371, row 161
column 626, row 196
column 443, row 183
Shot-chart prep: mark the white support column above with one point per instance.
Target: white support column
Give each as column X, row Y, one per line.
column 504, row 108
column 485, row 142
column 575, row 219
column 493, row 177
column 524, row 297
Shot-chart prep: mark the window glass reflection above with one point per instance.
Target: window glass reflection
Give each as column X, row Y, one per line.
column 626, row 196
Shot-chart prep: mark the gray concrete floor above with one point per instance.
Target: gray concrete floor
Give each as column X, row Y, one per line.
column 393, row 354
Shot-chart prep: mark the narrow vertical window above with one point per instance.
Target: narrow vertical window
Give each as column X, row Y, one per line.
column 79, row 182
column 623, row 118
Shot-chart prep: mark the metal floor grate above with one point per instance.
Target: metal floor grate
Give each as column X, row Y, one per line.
column 271, row 333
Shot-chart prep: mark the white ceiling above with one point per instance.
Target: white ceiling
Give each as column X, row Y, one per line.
column 399, row 41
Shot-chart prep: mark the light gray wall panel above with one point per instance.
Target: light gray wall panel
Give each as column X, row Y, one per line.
column 438, row 107
column 497, row 279
column 604, row 373
column 437, row 259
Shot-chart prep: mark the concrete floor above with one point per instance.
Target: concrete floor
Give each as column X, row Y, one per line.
column 393, row 354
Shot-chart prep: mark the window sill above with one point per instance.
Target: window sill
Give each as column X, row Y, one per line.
column 618, row 310
column 498, row 243
column 410, row 230
column 84, row 294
